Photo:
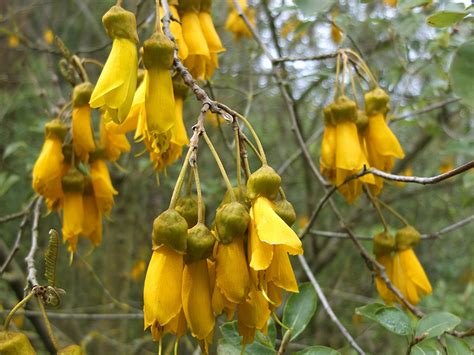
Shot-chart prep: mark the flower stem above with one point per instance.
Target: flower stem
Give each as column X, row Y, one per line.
column 338, row 70
column 48, row 323
column 254, row 135
column 377, row 208
column 394, row 212
column 158, row 17
column 16, row 308
column 199, row 194
column 220, row 165
column 237, row 155
column 179, row 181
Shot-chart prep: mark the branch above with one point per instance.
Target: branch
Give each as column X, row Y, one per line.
column 305, row 58
column 326, row 305
column 425, row 110
column 81, row 316
column 30, row 258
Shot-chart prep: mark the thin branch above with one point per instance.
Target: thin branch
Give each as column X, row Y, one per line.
column 13, row 216
column 30, row 258
column 327, row 306
column 81, row 316
column 429, row 108
column 305, row 58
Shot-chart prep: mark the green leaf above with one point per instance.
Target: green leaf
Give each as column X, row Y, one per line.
column 6, row 182
column 312, row 8
column 445, row 18
column 461, row 71
column 427, row 347
column 411, row 4
column 318, row 350
column 456, row 346
column 391, row 318
column 230, row 343
column 435, row 324
column 12, row 148
column 299, row 309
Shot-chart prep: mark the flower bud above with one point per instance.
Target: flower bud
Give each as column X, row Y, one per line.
column 384, row 244
column 187, row 206
column 120, row 23
column 344, row 109
column 180, row 89
column 12, row 343
column 82, row 94
column 231, row 221
column 55, row 128
column 406, row 237
column 362, row 121
column 240, row 195
column 263, row 182
column 286, row 211
column 199, row 243
column 73, row 181
column 328, row 119
column 376, row 101
column 171, row 229
column 158, row 52
column 71, row 350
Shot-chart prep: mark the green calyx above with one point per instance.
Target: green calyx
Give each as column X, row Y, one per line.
column 362, row 121
column 206, row 5
column 407, row 237
column 55, row 129
column 263, row 182
column 158, row 52
column 71, row 350
column 231, row 221
column 98, row 154
column 286, row 211
column 180, row 89
column 187, row 206
column 13, row 343
column 328, row 119
column 73, row 181
column 376, row 101
column 199, row 243
column 82, row 94
column 189, row 6
column 171, row 229
column 120, row 23
column 344, row 109
column 240, row 194
column 384, row 244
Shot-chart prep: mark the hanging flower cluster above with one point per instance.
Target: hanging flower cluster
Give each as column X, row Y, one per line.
column 354, row 139
column 71, row 172
column 235, row 24
column 238, row 266
column 401, row 265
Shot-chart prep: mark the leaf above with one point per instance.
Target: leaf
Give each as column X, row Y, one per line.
column 460, row 72
column 12, row 148
column 435, row 324
column 426, row 347
column 230, row 343
column 318, row 350
column 6, row 182
column 311, row 8
column 299, row 309
column 445, row 18
column 411, row 4
column 456, row 346
column 391, row 318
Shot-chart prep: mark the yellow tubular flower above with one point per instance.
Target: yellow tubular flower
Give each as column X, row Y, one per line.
column 385, row 293
column 252, row 314
column 114, row 144
column 49, row 167
column 117, row 82
column 409, row 276
column 327, row 164
column 177, row 32
column 236, row 24
column 162, row 292
column 73, row 215
column 82, row 136
column 92, row 220
column 102, row 184
column 196, row 295
column 280, row 271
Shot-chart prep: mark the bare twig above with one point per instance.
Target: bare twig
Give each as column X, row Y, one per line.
column 13, row 216
column 305, row 58
column 429, row 108
column 326, row 305
column 81, row 316
column 30, row 258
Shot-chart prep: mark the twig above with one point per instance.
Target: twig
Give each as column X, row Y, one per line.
column 13, row 216
column 327, row 306
column 81, row 316
column 21, row 228
column 305, row 58
column 429, row 108
column 30, row 258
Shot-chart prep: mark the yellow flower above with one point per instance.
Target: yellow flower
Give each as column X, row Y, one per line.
column 162, row 293
column 252, row 314
column 446, row 165
column 13, row 41
column 385, row 293
column 83, row 140
column 137, row 270
column 92, row 219
column 328, row 148
column 177, row 32
column 196, row 295
column 392, row 3
column 236, row 24
column 117, row 82
column 114, row 144
column 336, row 34
column 49, row 167
column 48, row 36
column 103, row 190
column 73, row 214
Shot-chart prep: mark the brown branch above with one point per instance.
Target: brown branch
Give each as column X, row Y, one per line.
column 305, row 58
column 30, row 258
column 12, row 216
column 429, row 108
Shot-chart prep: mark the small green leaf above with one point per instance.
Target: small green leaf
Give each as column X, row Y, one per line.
column 435, row 324
column 299, row 309
column 427, row 347
column 411, row 4
column 318, row 350
column 456, row 346
column 445, row 18
column 312, row 8
column 461, row 71
column 230, row 343
column 6, row 182
column 12, row 148
column 391, row 318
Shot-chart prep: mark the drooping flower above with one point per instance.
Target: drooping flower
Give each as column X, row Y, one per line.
column 102, row 184
column 82, row 136
column 176, row 30
column 236, row 24
column 92, row 220
column 73, row 214
column 382, row 145
column 113, row 142
column 49, row 167
column 117, row 83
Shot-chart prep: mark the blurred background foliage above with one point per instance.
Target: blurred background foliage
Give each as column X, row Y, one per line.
column 410, row 59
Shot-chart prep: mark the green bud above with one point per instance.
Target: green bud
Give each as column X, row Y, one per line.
column 286, row 211
column 73, row 181
column 71, row 350
column 120, row 23
column 187, row 206
column 82, row 94
column 362, row 121
column 240, row 195
column 171, row 229
column 263, row 182
column 231, row 221
column 14, row 343
column 55, row 128
column 384, row 244
column 158, row 52
column 376, row 101
column 407, row 237
column 199, row 243
column 344, row 109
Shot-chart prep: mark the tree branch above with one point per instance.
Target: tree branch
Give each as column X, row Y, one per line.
column 30, row 258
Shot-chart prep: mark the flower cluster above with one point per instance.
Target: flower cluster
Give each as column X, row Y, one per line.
column 401, row 265
column 354, row 139
column 235, row 23
column 238, row 266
